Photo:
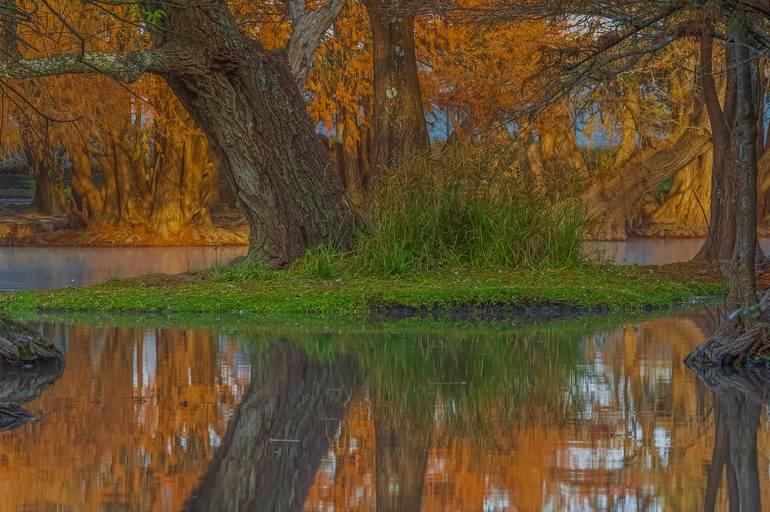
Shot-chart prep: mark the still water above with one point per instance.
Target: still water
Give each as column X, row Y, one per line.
column 562, row 416
column 24, row 268
column 653, row 251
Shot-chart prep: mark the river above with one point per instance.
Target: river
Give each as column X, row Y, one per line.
column 580, row 414
column 559, row 416
column 50, row 267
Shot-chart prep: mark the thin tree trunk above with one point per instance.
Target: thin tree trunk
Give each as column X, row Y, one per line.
column 742, row 281
column 720, row 241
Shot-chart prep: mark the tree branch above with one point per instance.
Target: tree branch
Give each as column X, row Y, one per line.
column 309, row 28
column 126, row 68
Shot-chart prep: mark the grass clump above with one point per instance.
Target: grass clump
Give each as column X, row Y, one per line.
column 468, row 207
column 245, row 269
column 322, row 262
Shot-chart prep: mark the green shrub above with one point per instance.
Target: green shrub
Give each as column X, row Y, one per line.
column 468, row 207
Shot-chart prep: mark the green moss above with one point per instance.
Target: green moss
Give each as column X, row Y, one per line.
column 247, row 289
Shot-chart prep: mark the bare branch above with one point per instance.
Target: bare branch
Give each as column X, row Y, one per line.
column 126, row 68
column 309, row 27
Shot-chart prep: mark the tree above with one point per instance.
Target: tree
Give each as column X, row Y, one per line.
column 614, row 37
column 399, row 121
column 244, row 98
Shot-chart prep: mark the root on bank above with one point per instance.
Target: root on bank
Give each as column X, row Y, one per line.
column 22, row 346
column 733, row 345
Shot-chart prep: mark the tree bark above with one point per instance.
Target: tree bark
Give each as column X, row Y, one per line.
column 21, row 346
column 399, row 125
column 742, row 281
column 49, row 189
column 685, row 211
column 610, row 201
column 247, row 102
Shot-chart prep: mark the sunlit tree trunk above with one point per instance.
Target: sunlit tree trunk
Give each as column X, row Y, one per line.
column 609, row 201
column 685, row 211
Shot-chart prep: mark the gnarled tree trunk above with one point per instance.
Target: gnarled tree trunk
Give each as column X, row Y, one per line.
column 609, row 202
column 685, row 211
column 248, row 103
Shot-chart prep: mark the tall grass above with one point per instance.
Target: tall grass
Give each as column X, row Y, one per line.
column 468, row 207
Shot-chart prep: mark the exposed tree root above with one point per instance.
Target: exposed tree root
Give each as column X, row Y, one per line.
column 22, row 346
column 735, row 346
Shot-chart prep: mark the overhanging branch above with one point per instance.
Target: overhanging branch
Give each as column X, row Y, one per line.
column 126, row 68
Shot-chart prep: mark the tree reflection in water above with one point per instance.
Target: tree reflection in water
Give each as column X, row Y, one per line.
column 738, row 400
column 563, row 416
column 18, row 386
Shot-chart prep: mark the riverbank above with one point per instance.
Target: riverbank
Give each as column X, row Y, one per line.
column 23, row 227
column 464, row 292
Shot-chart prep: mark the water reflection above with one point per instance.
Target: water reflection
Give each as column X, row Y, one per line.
column 652, row 251
column 25, row 268
column 553, row 417
column 734, row 470
column 18, row 386
column 130, row 425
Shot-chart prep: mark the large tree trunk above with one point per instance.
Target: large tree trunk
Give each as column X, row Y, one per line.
column 685, row 211
column 49, row 188
column 277, row 437
column 187, row 178
column 610, row 201
column 399, row 125
column 43, row 165
column 248, row 103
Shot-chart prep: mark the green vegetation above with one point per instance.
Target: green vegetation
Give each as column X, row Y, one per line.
column 468, row 207
column 462, row 234
column 249, row 288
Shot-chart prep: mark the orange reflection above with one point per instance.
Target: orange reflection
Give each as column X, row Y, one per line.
column 131, row 424
column 636, row 433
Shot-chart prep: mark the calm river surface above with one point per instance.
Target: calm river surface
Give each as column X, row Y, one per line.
column 50, row 267
column 566, row 416
column 575, row 415
column 23, row 268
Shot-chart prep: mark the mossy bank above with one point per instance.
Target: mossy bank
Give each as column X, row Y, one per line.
column 246, row 289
